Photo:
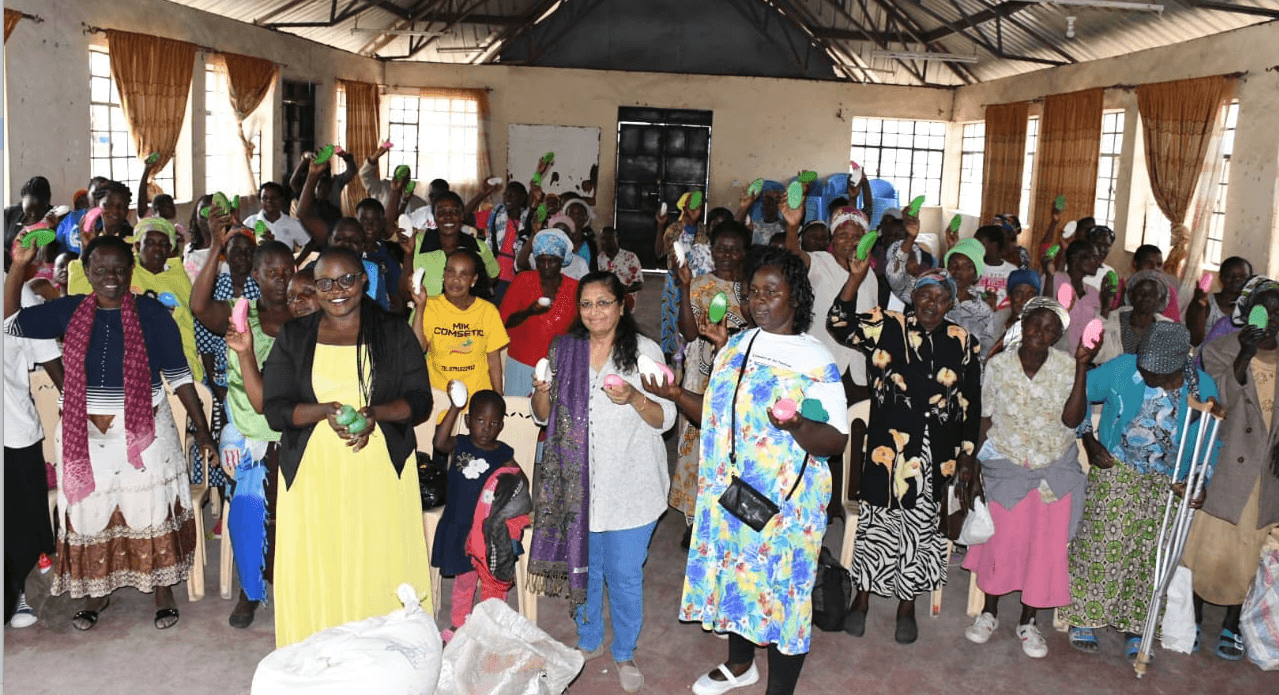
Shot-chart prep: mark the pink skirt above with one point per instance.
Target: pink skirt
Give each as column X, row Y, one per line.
column 1028, row 552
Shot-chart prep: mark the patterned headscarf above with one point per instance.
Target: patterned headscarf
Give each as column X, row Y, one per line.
column 1163, row 283
column 1165, row 349
column 936, row 276
column 154, row 224
column 1256, row 286
column 849, row 214
column 553, row 242
column 1013, row 339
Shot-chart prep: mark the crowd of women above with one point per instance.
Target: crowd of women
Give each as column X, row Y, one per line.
column 322, row 338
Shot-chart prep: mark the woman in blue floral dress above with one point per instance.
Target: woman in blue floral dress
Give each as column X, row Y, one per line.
column 757, row 586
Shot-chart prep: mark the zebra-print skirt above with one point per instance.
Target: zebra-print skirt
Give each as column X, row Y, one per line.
column 900, row 553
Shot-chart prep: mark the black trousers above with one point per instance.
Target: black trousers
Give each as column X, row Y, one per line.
column 783, row 669
column 27, row 532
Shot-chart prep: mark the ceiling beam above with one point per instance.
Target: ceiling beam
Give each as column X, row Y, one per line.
column 515, row 31
column 1003, row 9
column 879, row 42
column 912, row 27
column 1238, row 9
column 981, row 40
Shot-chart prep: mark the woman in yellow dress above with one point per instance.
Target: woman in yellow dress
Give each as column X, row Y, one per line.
column 349, row 515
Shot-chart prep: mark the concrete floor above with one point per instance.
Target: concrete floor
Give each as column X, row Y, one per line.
column 203, row 655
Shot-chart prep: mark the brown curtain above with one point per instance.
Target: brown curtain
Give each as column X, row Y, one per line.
column 1069, row 147
column 1004, row 158
column 154, row 78
column 362, row 115
column 466, row 188
column 249, row 80
column 1178, row 120
column 11, row 19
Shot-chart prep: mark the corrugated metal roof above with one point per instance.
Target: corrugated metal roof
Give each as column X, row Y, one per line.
column 848, row 29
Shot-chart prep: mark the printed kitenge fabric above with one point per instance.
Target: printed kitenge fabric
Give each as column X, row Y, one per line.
column 698, row 358
column 759, row 585
column 1112, row 558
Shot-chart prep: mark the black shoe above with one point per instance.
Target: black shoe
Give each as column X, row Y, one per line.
column 242, row 615
column 855, row 623
column 907, row 629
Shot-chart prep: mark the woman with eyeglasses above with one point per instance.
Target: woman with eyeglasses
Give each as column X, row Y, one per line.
column 348, row 516
column 603, row 479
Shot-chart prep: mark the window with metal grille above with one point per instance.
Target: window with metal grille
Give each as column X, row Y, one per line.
column 972, row 154
column 1112, row 144
column 112, row 152
column 1217, row 225
column 223, row 149
column 437, row 136
column 906, row 153
column 1028, row 169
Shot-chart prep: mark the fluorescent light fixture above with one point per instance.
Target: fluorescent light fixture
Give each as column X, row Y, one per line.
column 1108, row 4
column 911, row 55
column 395, row 32
column 459, row 49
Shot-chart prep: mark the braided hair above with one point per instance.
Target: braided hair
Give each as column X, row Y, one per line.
column 371, row 345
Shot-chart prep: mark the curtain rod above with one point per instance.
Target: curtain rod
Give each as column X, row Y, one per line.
column 1125, row 87
column 90, row 29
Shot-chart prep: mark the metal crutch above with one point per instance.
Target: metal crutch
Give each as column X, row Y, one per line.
column 1176, row 524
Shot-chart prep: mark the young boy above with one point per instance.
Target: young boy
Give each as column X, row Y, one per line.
column 272, row 198
column 622, row 263
column 475, row 458
column 994, row 278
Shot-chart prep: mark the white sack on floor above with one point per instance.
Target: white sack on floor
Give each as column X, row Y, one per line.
column 499, row 652
column 395, row 654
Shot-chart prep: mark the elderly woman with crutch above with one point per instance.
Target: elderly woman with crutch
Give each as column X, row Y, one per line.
column 1144, row 397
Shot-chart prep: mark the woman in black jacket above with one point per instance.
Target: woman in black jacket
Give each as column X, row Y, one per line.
column 349, row 524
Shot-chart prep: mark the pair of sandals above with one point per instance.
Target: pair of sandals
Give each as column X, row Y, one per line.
column 1229, row 644
column 87, row 619
column 1085, row 640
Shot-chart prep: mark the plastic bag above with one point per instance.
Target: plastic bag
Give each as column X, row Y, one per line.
column 1178, row 625
column 1259, row 621
column 499, row 652
column 978, row 526
column 397, row 653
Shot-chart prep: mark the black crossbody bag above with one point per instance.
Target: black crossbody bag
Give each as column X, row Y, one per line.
column 743, row 501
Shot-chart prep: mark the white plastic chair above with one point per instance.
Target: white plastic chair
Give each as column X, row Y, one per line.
column 195, row 582
column 859, row 411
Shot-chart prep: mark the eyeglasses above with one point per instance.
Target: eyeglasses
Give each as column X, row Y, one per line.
column 601, row 304
column 346, row 282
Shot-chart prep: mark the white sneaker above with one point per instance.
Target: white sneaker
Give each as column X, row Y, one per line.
column 981, row 629
column 23, row 615
column 709, row 686
column 1032, row 642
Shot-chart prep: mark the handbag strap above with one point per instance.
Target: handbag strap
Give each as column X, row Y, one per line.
column 732, row 433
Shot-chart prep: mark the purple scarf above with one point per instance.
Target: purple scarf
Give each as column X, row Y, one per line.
column 558, row 558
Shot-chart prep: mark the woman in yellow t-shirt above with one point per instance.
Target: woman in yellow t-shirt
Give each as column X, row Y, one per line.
column 461, row 332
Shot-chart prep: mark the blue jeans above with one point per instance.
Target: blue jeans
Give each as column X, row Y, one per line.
column 616, row 559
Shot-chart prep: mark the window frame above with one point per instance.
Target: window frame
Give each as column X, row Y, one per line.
column 971, row 166
column 217, row 116
column 127, row 167
column 1028, row 167
column 1104, row 205
column 873, row 140
column 1217, row 224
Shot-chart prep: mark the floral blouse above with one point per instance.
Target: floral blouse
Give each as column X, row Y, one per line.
column 925, row 399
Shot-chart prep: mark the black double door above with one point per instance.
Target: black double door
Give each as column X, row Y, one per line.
column 661, row 155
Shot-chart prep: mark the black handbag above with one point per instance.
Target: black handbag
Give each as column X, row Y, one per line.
column 432, row 482
column 832, row 593
column 742, row 500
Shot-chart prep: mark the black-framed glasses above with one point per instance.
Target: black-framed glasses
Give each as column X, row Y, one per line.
column 346, row 282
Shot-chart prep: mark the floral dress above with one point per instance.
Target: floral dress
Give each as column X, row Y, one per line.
column 759, row 585
column 925, row 411
column 698, row 358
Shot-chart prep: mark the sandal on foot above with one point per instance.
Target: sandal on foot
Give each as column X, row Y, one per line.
column 907, row 629
column 163, row 615
column 1132, row 647
column 243, row 613
column 88, row 616
column 709, row 686
column 1230, row 645
column 855, row 623
column 1083, row 639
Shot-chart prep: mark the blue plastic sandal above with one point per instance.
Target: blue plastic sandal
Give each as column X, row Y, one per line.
column 1132, row 646
column 1230, row 646
column 1083, row 639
